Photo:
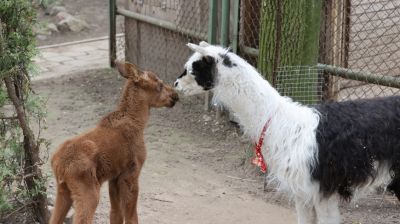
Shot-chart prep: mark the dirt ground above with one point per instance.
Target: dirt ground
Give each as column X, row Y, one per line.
column 198, row 169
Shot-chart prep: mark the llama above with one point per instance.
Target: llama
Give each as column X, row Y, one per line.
column 318, row 155
column 113, row 151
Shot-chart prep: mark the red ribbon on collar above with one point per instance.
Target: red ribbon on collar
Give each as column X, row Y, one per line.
column 258, row 159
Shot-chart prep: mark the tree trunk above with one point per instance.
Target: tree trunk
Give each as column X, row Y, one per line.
column 290, row 37
column 32, row 172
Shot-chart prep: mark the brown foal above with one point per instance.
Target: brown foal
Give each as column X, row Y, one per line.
column 113, row 151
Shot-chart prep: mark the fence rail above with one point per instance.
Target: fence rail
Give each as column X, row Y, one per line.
column 383, row 80
column 160, row 23
column 378, row 79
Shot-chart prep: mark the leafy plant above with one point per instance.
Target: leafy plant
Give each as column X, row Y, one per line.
column 22, row 186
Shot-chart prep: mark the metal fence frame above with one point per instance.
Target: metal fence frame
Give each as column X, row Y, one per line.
column 211, row 37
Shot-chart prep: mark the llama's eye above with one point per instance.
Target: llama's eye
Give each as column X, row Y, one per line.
column 160, row 87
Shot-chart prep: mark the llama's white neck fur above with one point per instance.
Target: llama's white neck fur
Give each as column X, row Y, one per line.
column 289, row 146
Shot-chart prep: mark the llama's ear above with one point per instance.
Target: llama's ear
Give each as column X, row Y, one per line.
column 128, row 70
column 203, row 44
column 197, row 48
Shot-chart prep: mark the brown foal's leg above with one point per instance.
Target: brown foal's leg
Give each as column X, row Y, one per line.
column 62, row 205
column 130, row 203
column 116, row 211
column 128, row 184
column 85, row 193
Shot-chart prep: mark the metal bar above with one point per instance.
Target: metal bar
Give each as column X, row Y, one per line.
column 113, row 32
column 160, row 23
column 236, row 18
column 383, row 80
column 212, row 22
column 212, row 39
column 225, row 23
column 224, row 38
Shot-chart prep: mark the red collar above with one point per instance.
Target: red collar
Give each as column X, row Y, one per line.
column 258, row 160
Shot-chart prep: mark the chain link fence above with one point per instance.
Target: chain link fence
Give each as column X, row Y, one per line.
column 346, row 50
column 250, row 22
column 156, row 33
column 363, row 36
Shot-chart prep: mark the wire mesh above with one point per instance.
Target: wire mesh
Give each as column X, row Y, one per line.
column 364, row 36
column 295, row 81
column 250, row 21
column 159, row 49
column 120, row 44
column 360, row 35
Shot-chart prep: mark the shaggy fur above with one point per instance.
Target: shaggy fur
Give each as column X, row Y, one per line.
column 317, row 154
column 356, row 140
column 113, row 151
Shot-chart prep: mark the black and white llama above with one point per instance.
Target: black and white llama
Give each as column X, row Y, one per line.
column 319, row 154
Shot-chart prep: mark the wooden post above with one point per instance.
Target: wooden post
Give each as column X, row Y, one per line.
column 334, row 43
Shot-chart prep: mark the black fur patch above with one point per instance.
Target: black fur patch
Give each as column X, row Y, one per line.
column 183, row 74
column 204, row 70
column 351, row 136
column 227, row 61
column 394, row 187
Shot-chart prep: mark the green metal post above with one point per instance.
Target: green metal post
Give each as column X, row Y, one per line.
column 212, row 22
column 113, row 32
column 212, row 39
column 224, row 39
column 225, row 23
column 236, row 18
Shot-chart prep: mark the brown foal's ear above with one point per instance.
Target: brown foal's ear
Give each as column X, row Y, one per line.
column 128, row 70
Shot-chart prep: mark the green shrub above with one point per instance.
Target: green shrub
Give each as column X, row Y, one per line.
column 22, row 188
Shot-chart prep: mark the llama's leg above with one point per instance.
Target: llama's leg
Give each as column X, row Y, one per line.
column 305, row 213
column 129, row 192
column 327, row 210
column 116, row 212
column 62, row 205
column 394, row 186
column 85, row 193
